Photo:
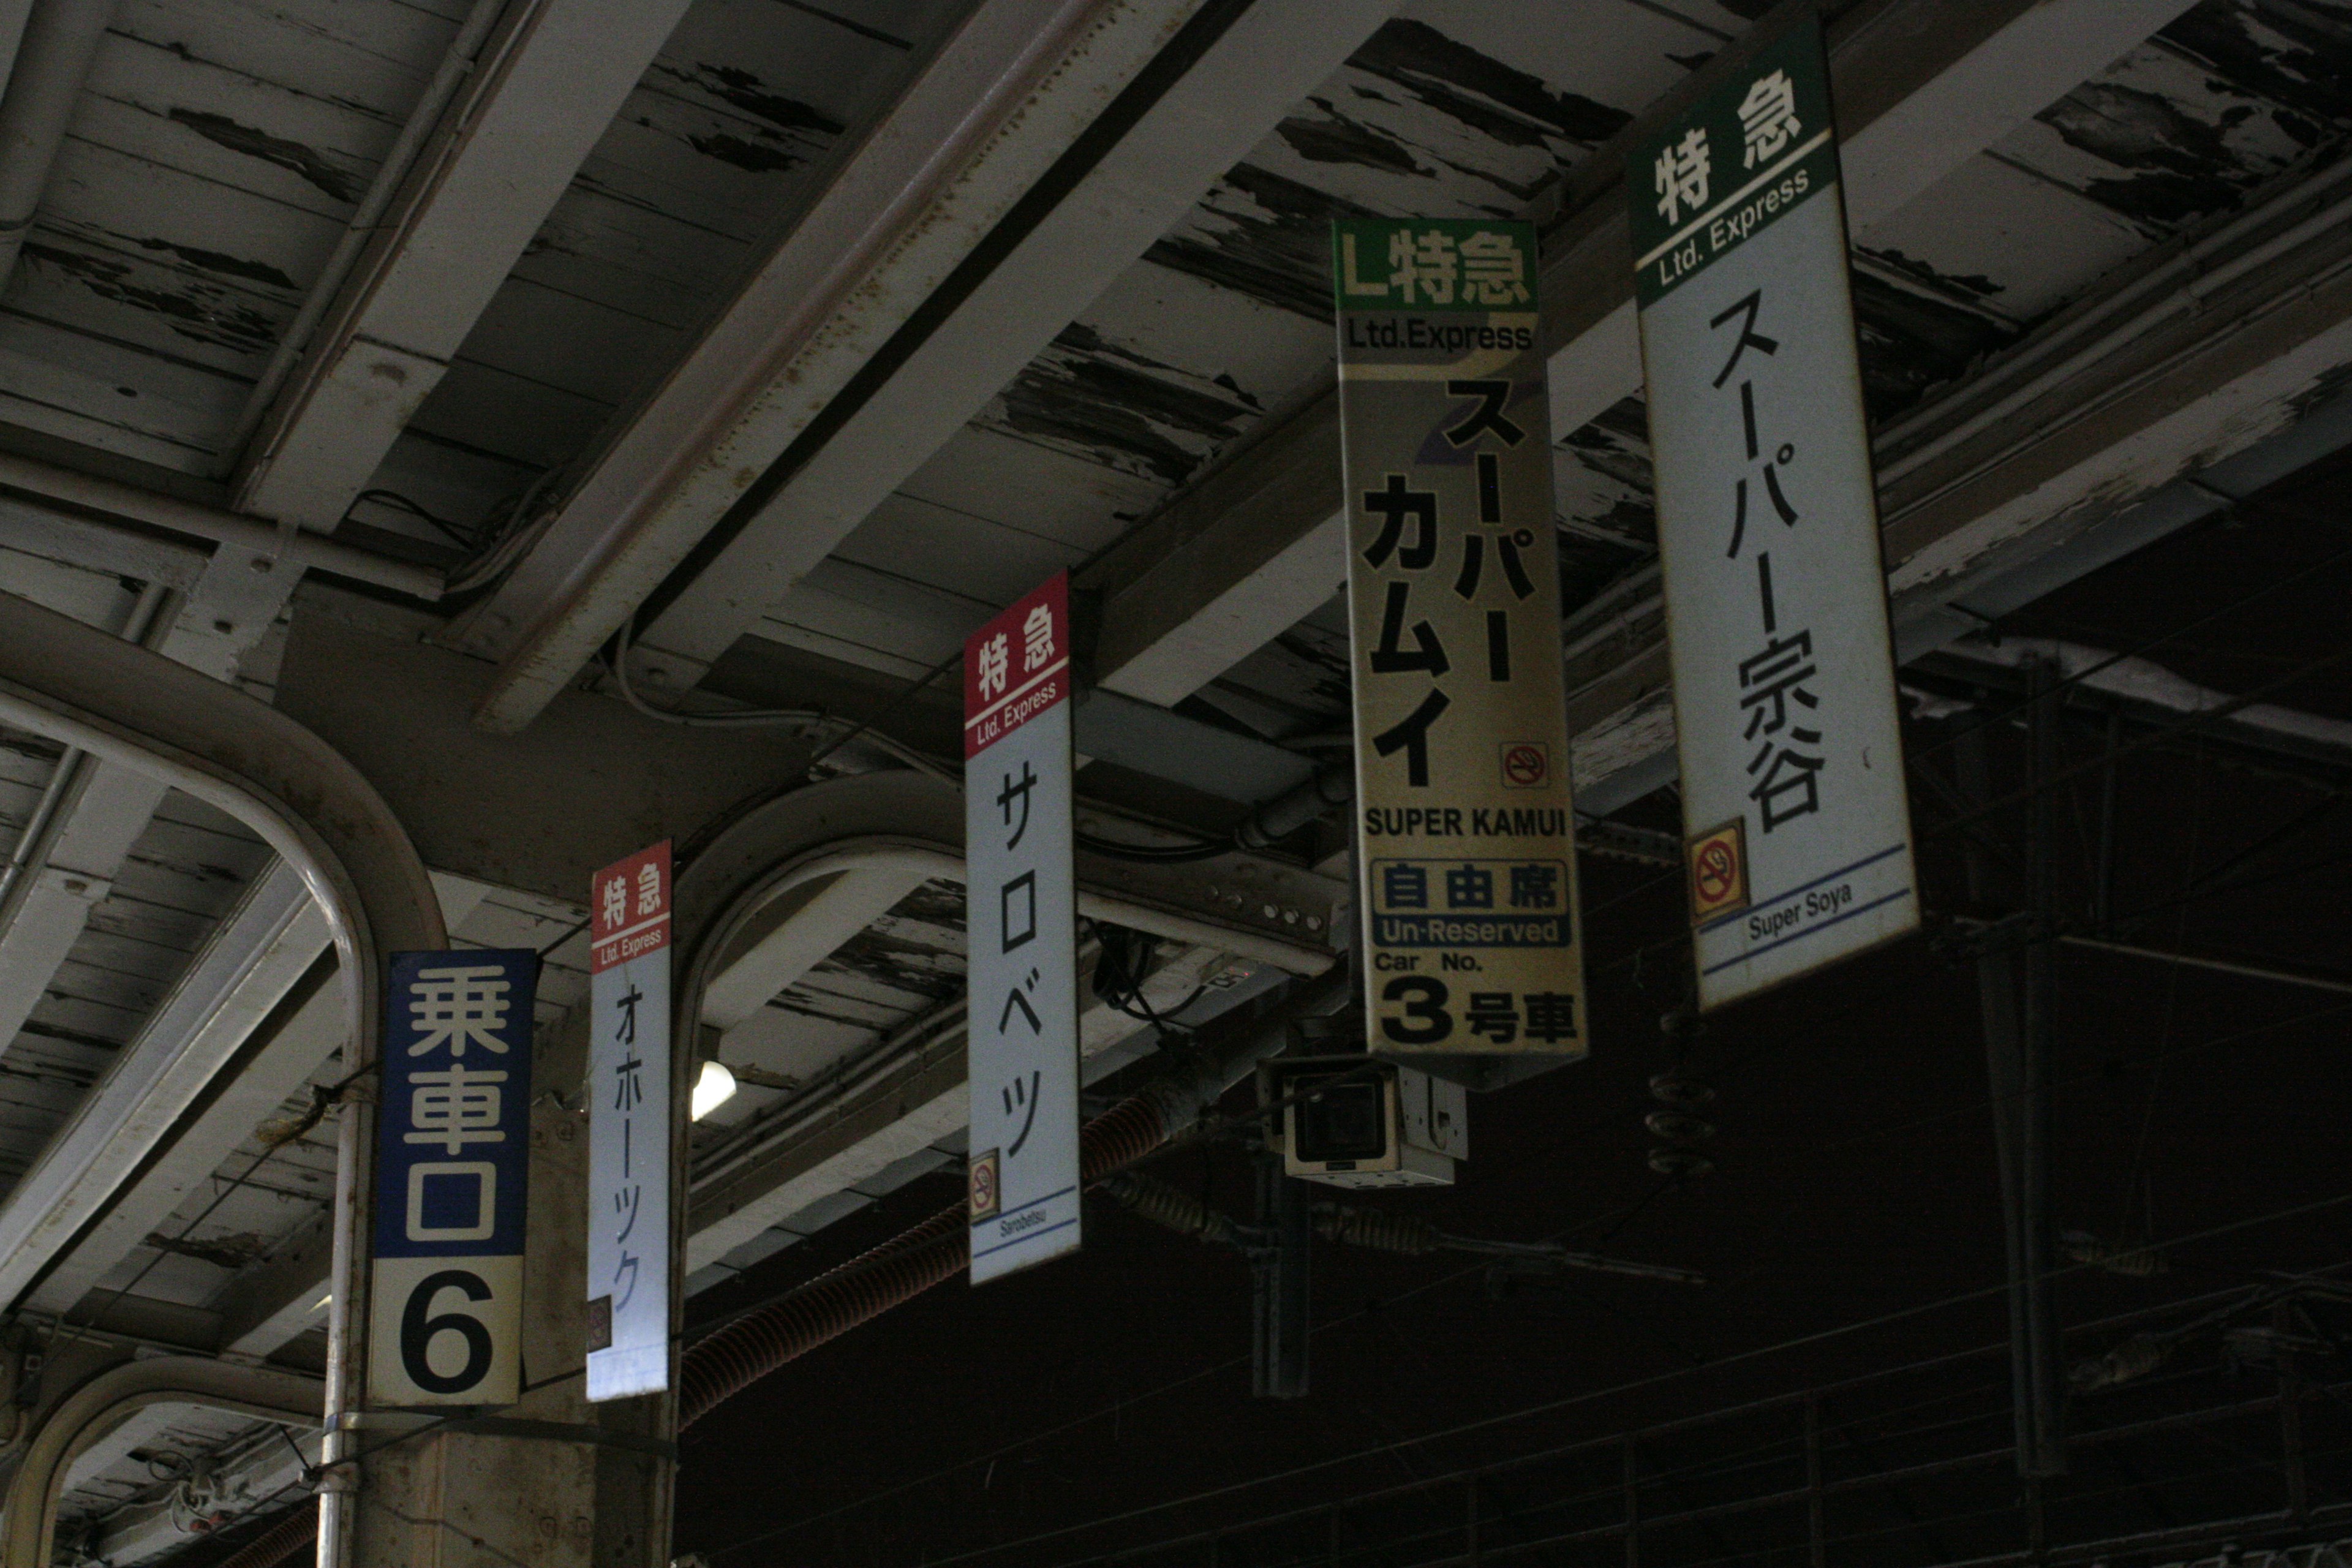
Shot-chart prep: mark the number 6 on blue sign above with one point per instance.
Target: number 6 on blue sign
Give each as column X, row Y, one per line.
column 453, row 1146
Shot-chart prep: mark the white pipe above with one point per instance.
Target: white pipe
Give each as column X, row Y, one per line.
column 61, row 41
column 223, row 528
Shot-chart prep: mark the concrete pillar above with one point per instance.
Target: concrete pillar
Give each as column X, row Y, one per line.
column 553, row 1481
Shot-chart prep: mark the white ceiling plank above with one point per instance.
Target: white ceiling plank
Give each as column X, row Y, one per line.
column 1243, row 83
column 256, row 956
column 982, row 120
column 801, row 940
column 2010, row 74
column 524, row 128
column 984, row 123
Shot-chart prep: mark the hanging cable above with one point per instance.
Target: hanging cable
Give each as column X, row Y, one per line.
column 1974, row 1107
column 393, row 500
column 1122, row 964
column 806, row 720
column 2243, row 600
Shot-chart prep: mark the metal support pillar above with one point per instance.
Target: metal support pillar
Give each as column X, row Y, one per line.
column 1816, row 1522
column 1278, row 1283
column 2014, row 993
column 132, row 707
column 2290, row 1410
column 2103, row 888
column 1632, row 1504
column 2045, row 1350
column 553, row 1481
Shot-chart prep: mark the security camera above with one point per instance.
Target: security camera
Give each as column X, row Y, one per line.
column 1358, row 1121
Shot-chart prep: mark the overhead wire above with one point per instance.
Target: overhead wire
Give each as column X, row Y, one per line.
column 2204, row 886
column 804, row 719
column 1883, row 1320
column 864, row 725
column 1812, row 1153
column 1722, row 1476
column 2312, row 1016
column 2187, row 724
column 2061, row 682
column 1720, row 1468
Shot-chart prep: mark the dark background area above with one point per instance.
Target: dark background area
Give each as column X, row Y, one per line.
column 1851, row 1225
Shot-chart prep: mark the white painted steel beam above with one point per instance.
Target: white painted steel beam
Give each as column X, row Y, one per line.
column 106, row 807
column 254, row 958
column 800, row 934
column 267, row 1074
column 296, row 1048
column 543, row 93
column 282, row 1297
column 127, row 705
column 981, row 123
column 1922, row 85
column 985, row 125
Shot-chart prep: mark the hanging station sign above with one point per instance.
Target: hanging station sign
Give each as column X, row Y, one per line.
column 1797, row 824
column 629, row 1126
column 1021, row 925
column 1466, row 832
column 452, row 1187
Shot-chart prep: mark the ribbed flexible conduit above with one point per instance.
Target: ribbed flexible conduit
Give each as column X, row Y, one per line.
column 279, row 1542
column 752, row 1346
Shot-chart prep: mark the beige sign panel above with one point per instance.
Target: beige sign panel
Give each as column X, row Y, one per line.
column 1467, row 833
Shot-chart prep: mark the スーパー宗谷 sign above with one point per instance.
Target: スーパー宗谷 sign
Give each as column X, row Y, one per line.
column 1797, row 824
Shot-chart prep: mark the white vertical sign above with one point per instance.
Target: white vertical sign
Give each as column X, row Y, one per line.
column 1796, row 815
column 629, row 1127
column 1021, row 922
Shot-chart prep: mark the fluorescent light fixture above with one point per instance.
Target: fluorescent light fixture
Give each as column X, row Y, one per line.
column 712, row 1089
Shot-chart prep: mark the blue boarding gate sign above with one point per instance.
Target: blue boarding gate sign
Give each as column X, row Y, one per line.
column 452, row 1179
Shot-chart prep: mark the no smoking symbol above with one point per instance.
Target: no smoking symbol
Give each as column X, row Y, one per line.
column 1718, row 873
column 1525, row 765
